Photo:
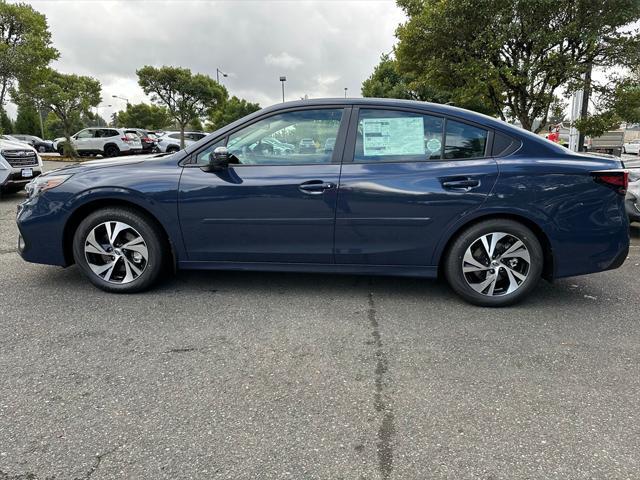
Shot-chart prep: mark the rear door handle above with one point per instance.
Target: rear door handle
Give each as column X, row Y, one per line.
column 315, row 187
column 462, row 184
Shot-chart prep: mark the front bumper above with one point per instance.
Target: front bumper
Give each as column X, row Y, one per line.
column 15, row 178
column 41, row 230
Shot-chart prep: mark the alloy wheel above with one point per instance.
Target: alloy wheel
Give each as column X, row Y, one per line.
column 496, row 264
column 116, row 252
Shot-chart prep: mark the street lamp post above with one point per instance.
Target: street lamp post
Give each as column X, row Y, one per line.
column 218, row 72
column 283, row 79
column 121, row 98
column 345, row 92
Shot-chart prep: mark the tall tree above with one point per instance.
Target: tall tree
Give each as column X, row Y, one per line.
column 25, row 45
column 68, row 96
column 520, row 53
column 6, row 125
column 617, row 104
column 143, row 115
column 232, row 110
column 387, row 81
column 27, row 121
column 187, row 96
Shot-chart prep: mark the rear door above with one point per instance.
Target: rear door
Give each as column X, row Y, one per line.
column 269, row 205
column 406, row 176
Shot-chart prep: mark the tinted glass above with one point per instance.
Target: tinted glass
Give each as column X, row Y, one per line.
column 288, row 138
column 85, row 134
column 393, row 136
column 464, row 141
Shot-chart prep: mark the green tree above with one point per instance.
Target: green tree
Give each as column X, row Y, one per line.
column 617, row 104
column 6, row 125
column 143, row 115
column 27, row 121
column 68, row 96
column 196, row 125
column 187, row 96
column 515, row 53
column 25, row 45
column 232, row 110
column 387, row 81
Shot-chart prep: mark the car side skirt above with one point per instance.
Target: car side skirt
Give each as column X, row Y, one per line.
column 348, row 269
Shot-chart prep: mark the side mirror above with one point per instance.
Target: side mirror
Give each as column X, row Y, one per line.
column 219, row 159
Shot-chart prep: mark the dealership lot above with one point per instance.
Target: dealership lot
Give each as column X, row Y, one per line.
column 256, row 375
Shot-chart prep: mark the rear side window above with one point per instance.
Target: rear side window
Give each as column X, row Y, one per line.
column 395, row 136
column 464, row 141
column 174, row 135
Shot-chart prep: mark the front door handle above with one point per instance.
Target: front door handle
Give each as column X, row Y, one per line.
column 315, row 187
column 461, row 184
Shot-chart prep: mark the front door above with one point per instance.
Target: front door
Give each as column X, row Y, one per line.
column 83, row 140
column 405, row 178
column 276, row 201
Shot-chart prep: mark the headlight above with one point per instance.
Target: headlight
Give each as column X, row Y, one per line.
column 45, row 182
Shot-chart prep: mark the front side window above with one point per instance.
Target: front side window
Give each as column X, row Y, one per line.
column 464, row 141
column 291, row 138
column 395, row 136
column 85, row 134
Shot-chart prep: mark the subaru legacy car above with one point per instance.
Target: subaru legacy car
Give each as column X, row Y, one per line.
column 409, row 188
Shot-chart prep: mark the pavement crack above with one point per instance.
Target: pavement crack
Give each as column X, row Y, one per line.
column 96, row 464
column 382, row 405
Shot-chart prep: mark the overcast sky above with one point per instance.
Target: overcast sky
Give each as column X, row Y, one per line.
column 321, row 46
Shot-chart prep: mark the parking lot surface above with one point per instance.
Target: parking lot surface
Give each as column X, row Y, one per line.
column 259, row 375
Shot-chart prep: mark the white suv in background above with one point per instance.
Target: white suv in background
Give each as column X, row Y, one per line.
column 19, row 163
column 105, row 141
column 170, row 141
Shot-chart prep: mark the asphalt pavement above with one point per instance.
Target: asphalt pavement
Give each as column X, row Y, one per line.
column 292, row 376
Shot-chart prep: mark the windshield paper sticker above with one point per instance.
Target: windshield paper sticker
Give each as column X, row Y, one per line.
column 393, row 136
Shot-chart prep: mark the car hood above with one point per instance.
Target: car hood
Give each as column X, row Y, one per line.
column 5, row 144
column 107, row 163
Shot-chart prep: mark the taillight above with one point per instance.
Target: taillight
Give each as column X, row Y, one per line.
column 616, row 179
column 125, row 139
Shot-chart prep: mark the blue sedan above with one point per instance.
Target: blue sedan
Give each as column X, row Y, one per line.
column 403, row 188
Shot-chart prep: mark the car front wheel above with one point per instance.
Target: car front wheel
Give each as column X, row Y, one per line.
column 119, row 250
column 494, row 263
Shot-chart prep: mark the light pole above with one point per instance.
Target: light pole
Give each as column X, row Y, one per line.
column 345, row 92
column 121, row 98
column 218, row 72
column 283, row 79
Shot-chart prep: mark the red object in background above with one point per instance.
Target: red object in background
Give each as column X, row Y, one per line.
column 554, row 136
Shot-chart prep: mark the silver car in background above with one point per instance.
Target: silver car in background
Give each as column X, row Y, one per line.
column 632, row 200
column 19, row 164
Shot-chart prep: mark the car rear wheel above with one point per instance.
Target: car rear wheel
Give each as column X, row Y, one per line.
column 494, row 263
column 119, row 250
column 111, row 151
column 172, row 149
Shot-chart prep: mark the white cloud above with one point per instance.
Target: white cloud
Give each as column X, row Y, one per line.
column 283, row 60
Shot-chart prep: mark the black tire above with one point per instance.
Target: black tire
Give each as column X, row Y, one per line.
column 172, row 149
column 61, row 151
column 111, row 151
column 153, row 237
column 454, row 262
column 624, row 150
